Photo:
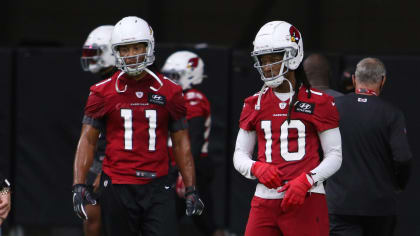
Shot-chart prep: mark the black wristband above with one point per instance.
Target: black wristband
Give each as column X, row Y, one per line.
column 190, row 190
column 78, row 186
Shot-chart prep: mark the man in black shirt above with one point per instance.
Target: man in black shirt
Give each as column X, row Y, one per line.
column 362, row 195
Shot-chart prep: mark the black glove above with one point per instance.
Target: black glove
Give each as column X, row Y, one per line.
column 81, row 197
column 194, row 204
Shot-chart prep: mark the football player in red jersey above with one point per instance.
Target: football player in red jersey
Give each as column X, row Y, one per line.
column 290, row 120
column 97, row 58
column 187, row 69
column 139, row 108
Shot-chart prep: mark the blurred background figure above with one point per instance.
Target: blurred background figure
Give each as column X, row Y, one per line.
column 97, row 56
column 187, row 69
column 98, row 59
column 346, row 83
column 318, row 71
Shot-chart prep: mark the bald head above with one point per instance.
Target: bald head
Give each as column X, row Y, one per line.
column 317, row 70
column 370, row 71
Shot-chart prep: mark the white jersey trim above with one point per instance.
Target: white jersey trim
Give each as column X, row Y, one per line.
column 263, row 192
column 317, row 93
column 103, row 82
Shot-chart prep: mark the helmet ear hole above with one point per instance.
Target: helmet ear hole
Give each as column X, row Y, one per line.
column 294, row 52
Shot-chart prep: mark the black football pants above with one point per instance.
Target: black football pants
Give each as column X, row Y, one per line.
column 350, row 225
column 133, row 210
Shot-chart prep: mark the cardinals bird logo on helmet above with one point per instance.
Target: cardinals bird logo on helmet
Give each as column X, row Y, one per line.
column 185, row 68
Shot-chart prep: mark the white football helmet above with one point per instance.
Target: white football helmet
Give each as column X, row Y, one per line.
column 185, row 68
column 97, row 52
column 131, row 30
column 278, row 37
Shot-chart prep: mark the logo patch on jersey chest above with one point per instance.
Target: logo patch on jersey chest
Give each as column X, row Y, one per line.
column 157, row 99
column 282, row 105
column 139, row 94
column 305, row 107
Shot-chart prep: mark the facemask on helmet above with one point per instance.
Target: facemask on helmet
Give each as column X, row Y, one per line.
column 133, row 30
column 185, row 68
column 277, row 37
column 96, row 51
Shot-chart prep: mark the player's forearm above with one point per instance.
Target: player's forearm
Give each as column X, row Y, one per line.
column 242, row 157
column 331, row 145
column 82, row 162
column 84, row 154
column 186, row 167
column 183, row 157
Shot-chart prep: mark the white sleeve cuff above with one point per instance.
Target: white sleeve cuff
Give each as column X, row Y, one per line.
column 331, row 145
column 242, row 158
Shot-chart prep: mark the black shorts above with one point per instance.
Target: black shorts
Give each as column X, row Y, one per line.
column 129, row 209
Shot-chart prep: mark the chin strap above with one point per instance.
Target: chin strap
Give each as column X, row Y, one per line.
column 149, row 72
column 156, row 78
column 116, row 84
column 258, row 105
column 290, row 91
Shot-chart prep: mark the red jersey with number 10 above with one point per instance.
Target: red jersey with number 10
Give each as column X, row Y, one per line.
column 292, row 146
column 137, row 122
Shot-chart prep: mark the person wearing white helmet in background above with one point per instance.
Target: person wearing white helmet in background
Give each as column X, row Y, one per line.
column 187, row 69
column 139, row 108
column 97, row 58
column 291, row 121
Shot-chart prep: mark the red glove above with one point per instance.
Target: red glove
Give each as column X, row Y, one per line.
column 267, row 174
column 180, row 187
column 296, row 190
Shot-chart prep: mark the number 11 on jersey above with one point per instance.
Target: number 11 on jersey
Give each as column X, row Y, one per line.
column 127, row 115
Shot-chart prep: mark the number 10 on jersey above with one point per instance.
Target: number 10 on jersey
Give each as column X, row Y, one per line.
column 284, row 140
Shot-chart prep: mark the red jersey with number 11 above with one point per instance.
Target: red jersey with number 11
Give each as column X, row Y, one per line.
column 292, row 146
column 137, row 122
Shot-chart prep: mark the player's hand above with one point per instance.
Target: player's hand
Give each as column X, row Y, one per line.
column 267, row 174
column 81, row 197
column 194, row 205
column 295, row 192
